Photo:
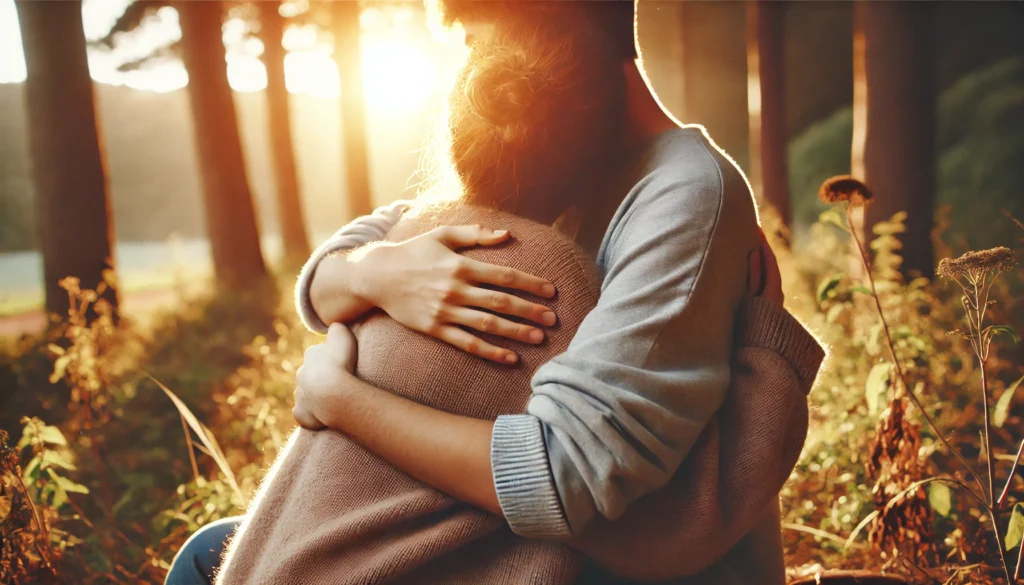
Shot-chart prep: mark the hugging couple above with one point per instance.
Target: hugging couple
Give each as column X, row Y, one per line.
column 578, row 371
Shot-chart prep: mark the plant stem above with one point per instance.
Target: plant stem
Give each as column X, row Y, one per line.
column 999, row 545
column 1020, row 560
column 988, row 444
column 896, row 362
column 1009, row 480
column 43, row 528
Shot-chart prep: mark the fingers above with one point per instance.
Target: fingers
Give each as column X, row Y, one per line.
column 474, row 345
column 510, row 278
column 507, row 304
column 463, row 236
column 489, row 323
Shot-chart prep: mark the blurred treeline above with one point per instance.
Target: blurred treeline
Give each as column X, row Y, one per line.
column 697, row 60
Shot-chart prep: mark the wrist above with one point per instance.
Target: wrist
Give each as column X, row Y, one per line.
column 366, row 278
column 330, row 291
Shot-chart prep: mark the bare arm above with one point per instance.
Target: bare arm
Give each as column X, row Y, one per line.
column 448, row 452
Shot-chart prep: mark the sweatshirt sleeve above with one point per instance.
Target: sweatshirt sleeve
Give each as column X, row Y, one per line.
column 358, row 232
column 612, row 418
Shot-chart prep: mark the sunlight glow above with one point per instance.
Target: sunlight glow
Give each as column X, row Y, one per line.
column 396, row 76
column 402, row 69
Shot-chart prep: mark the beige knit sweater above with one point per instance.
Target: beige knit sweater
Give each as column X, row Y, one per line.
column 331, row 512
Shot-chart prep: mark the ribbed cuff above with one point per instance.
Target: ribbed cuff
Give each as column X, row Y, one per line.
column 765, row 324
column 522, row 477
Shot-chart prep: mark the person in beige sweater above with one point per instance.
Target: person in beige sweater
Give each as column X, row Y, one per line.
column 598, row 455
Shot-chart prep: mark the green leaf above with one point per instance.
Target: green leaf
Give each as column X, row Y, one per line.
column 1006, row 330
column 55, row 459
column 877, row 383
column 52, row 435
column 1015, row 530
column 31, row 471
column 940, row 498
column 832, row 216
column 60, row 495
column 71, row 486
column 860, row 289
column 60, row 366
column 1002, row 409
column 827, row 286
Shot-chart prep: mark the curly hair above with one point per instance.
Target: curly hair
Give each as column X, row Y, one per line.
column 536, row 108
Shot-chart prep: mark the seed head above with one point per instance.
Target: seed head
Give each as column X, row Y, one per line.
column 973, row 264
column 844, row 188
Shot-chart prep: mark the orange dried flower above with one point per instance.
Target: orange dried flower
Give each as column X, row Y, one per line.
column 845, row 188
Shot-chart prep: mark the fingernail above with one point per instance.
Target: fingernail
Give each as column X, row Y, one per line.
column 500, row 233
column 536, row 336
column 548, row 290
column 511, row 358
column 548, row 318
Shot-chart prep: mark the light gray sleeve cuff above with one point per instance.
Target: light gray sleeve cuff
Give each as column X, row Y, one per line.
column 358, row 232
column 523, row 479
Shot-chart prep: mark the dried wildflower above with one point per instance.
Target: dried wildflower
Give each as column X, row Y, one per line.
column 973, row 265
column 844, row 188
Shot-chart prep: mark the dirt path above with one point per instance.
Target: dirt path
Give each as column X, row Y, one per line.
column 136, row 304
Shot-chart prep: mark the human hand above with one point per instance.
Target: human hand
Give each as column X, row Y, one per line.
column 425, row 285
column 326, row 367
column 763, row 276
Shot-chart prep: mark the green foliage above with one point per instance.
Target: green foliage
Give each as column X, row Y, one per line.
column 830, row 491
column 1002, row 408
column 980, row 144
column 1015, row 530
column 226, row 366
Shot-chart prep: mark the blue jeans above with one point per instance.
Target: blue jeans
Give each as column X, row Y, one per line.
column 200, row 556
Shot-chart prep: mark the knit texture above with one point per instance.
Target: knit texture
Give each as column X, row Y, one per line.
column 332, row 512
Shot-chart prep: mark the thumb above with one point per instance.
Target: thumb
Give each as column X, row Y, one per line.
column 339, row 336
column 464, row 236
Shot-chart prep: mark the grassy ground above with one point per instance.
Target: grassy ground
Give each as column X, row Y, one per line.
column 119, row 487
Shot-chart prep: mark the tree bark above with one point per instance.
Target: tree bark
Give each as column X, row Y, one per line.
column 289, row 203
column 72, row 202
column 714, row 72
column 899, row 146
column 230, row 213
column 348, row 56
column 766, row 103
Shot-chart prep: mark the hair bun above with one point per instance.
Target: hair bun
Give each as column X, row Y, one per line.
column 500, row 88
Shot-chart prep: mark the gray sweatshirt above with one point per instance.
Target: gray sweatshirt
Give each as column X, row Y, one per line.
column 613, row 417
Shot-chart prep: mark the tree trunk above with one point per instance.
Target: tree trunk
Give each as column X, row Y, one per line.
column 230, row 214
column 289, row 204
column 72, row 203
column 348, row 56
column 899, row 146
column 715, row 73
column 766, row 103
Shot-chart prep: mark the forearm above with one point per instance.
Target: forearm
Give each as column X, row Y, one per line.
column 343, row 305
column 448, row 452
